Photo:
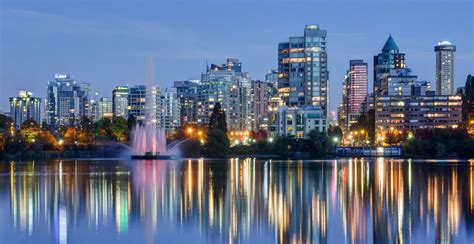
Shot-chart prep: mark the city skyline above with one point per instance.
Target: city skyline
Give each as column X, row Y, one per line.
column 181, row 54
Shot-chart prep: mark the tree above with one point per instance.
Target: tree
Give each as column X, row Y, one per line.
column 104, row 128
column 335, row 132
column 70, row 136
column 15, row 144
column 217, row 143
column 261, row 135
column 282, row 145
column 320, row 145
column 469, row 93
column 131, row 121
column 468, row 99
column 366, row 122
column 120, row 129
column 30, row 129
column 218, row 119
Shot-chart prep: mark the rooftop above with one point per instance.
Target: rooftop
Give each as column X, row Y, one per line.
column 390, row 44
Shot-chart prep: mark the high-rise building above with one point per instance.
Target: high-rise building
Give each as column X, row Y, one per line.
column 169, row 111
column 302, row 69
column 120, row 101
column 230, row 87
column 272, row 77
column 136, row 102
column 187, row 94
column 445, row 68
column 342, row 108
column 24, row 107
column 66, row 101
column 356, row 90
column 103, row 109
column 389, row 59
column 261, row 91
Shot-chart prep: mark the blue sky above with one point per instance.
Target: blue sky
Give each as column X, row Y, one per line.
column 106, row 42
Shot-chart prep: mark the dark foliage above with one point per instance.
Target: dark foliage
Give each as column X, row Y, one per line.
column 217, row 145
column 217, row 120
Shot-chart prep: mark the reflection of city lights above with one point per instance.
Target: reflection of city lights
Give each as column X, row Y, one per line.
column 245, row 198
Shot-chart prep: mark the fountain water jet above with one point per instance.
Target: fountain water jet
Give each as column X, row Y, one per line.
column 148, row 139
column 149, row 142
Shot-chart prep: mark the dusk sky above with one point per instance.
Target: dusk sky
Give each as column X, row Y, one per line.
column 106, row 42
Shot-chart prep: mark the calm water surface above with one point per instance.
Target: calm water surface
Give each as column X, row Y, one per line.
column 338, row 201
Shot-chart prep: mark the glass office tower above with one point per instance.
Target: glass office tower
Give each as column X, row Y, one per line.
column 302, row 69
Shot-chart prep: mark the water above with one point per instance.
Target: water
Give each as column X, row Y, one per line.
column 203, row 201
column 147, row 138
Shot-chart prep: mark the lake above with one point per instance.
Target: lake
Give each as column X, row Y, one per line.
column 237, row 200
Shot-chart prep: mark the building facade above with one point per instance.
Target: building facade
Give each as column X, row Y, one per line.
column 230, row 87
column 136, row 102
column 445, row 68
column 120, row 101
column 389, row 59
column 296, row 121
column 417, row 112
column 272, row 77
column 25, row 107
column 342, row 108
column 103, row 109
column 302, row 69
column 169, row 111
column 186, row 92
column 261, row 92
column 66, row 101
column 356, row 90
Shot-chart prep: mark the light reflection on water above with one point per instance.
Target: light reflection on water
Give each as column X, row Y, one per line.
column 237, row 201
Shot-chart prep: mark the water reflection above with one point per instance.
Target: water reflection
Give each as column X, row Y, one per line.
column 240, row 200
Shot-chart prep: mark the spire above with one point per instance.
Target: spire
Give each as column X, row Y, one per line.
column 390, row 44
column 207, row 67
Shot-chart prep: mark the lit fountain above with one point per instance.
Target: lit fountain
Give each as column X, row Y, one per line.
column 149, row 142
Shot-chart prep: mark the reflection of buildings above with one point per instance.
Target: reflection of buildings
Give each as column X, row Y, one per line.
column 235, row 201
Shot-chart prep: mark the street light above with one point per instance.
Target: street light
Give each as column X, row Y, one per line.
column 190, row 130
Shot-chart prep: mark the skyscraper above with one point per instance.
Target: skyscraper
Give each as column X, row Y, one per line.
column 272, row 77
column 186, row 92
column 261, row 91
column 445, row 68
column 66, row 101
column 230, row 87
column 356, row 89
column 302, row 69
column 342, row 108
column 390, row 58
column 137, row 101
column 120, row 101
column 169, row 111
column 24, row 107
